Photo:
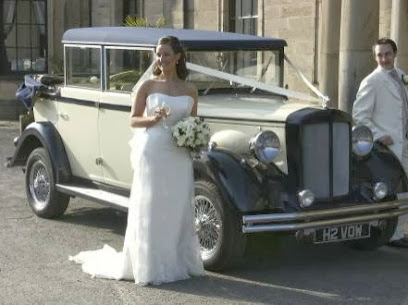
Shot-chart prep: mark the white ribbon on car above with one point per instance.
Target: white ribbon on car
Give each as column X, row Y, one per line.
column 267, row 87
column 325, row 99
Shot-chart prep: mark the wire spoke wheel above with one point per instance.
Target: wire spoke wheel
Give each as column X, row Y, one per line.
column 208, row 225
column 39, row 184
column 218, row 228
column 42, row 196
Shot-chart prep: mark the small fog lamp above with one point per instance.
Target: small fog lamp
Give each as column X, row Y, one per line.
column 306, row 198
column 380, row 190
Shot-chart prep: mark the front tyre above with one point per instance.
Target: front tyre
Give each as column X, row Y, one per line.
column 218, row 228
column 42, row 195
column 379, row 236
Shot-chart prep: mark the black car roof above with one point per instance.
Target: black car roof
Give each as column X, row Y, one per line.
column 191, row 39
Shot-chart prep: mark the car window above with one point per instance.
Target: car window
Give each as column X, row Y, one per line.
column 125, row 66
column 83, row 66
column 260, row 66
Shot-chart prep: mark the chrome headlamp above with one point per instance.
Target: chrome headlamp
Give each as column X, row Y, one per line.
column 266, row 146
column 362, row 140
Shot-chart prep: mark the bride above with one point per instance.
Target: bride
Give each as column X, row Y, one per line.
column 160, row 242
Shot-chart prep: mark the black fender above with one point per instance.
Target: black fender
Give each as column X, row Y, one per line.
column 381, row 165
column 43, row 134
column 237, row 182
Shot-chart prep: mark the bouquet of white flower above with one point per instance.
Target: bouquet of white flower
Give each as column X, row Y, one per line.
column 191, row 132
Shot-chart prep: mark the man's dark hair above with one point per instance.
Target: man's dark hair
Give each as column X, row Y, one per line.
column 386, row 40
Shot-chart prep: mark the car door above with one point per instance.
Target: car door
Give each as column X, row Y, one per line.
column 114, row 136
column 78, row 111
column 124, row 67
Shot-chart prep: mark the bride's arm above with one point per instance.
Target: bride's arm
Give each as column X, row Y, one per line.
column 138, row 107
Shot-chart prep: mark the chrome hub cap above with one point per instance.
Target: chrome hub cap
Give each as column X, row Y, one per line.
column 208, row 225
column 39, row 185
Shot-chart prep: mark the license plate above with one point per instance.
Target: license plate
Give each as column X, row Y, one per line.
column 342, row 233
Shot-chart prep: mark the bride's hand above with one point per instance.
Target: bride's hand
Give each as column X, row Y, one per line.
column 160, row 112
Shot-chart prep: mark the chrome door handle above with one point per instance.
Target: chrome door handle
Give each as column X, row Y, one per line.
column 63, row 115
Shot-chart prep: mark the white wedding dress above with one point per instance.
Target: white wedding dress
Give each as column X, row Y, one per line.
column 160, row 242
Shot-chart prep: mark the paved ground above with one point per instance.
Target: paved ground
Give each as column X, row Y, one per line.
column 34, row 266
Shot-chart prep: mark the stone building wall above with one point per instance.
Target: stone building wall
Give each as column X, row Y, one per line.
column 300, row 23
column 294, row 21
column 385, row 18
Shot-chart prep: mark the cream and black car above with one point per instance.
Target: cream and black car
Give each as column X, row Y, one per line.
column 278, row 160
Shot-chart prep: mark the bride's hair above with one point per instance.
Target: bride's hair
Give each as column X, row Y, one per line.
column 177, row 48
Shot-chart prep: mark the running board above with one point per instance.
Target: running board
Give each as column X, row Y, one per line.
column 94, row 194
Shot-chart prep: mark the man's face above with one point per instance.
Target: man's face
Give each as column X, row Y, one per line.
column 384, row 56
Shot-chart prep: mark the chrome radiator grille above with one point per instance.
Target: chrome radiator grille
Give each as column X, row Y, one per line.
column 325, row 159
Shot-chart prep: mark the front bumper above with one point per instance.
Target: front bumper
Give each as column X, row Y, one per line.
column 288, row 222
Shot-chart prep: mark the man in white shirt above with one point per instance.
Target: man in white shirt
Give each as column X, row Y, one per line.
column 382, row 105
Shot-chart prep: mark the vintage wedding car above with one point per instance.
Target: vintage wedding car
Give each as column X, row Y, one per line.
column 278, row 160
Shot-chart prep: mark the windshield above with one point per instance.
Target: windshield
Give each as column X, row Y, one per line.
column 215, row 72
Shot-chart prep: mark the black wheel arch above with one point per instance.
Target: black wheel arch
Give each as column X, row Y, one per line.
column 43, row 134
column 381, row 165
column 236, row 182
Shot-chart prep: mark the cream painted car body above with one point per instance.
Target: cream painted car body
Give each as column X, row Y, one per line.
column 278, row 160
column 80, row 126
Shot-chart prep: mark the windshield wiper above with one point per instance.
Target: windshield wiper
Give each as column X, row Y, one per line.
column 213, row 82
column 264, row 69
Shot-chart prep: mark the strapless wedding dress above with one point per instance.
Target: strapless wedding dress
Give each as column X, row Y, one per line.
column 160, row 242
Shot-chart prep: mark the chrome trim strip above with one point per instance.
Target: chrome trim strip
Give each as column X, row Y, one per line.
column 321, row 223
column 401, row 196
column 97, row 195
column 280, row 217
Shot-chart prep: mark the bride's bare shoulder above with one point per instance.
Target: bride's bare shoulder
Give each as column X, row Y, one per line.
column 147, row 85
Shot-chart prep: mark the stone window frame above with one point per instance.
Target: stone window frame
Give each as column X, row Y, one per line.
column 38, row 10
column 244, row 12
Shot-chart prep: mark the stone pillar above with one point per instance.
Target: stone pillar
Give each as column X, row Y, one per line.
column 153, row 11
column 358, row 32
column 173, row 12
column 385, row 18
column 56, row 28
column 329, row 50
column 224, row 15
column 189, row 14
column 399, row 30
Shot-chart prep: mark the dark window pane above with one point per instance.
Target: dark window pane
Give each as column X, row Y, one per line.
column 125, row 67
column 239, row 26
column 130, row 7
column 23, row 12
column 254, row 7
column 83, row 67
column 23, row 35
column 246, row 22
column 11, row 38
column 8, row 14
column 246, row 8
column 25, row 27
column 238, row 6
column 247, row 26
column 38, row 14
